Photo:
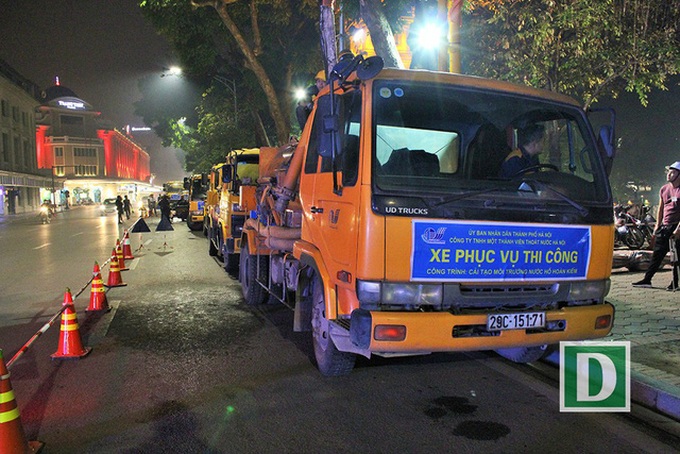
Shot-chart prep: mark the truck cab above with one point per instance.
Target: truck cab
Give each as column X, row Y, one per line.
column 412, row 240
column 197, row 186
column 234, row 182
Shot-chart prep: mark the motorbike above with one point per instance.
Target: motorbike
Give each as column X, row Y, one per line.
column 45, row 214
column 630, row 231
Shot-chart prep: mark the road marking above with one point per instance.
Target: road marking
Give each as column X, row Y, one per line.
column 76, row 234
column 41, row 246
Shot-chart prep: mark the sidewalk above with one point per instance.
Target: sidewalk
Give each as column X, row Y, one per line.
column 650, row 320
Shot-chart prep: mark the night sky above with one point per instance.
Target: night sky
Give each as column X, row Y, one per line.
column 100, row 48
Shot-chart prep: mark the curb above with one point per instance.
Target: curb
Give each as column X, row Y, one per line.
column 644, row 390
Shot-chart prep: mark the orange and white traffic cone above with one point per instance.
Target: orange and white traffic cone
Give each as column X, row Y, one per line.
column 98, row 300
column 127, row 250
column 12, row 437
column 70, row 344
column 115, row 279
column 121, row 258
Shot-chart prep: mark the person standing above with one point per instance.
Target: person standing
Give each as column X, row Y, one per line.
column 127, row 207
column 667, row 230
column 152, row 206
column 120, row 208
column 164, row 206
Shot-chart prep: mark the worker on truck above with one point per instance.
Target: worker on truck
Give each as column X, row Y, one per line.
column 385, row 235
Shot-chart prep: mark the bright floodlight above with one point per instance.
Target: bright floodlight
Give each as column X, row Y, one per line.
column 359, row 35
column 300, row 94
column 430, row 36
column 175, row 71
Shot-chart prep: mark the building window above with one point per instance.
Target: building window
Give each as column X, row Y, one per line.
column 5, row 147
column 59, row 171
column 27, row 154
column 5, row 108
column 85, row 152
column 85, row 171
column 15, row 113
column 17, row 153
column 72, row 125
column 58, row 152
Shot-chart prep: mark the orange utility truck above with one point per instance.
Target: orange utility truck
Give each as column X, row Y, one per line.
column 390, row 227
column 231, row 196
column 197, row 185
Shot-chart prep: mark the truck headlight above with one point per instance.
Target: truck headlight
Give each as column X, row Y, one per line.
column 399, row 293
column 589, row 290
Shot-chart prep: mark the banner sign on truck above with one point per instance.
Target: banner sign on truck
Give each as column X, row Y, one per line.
column 467, row 251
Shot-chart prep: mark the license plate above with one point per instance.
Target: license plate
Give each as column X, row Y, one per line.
column 522, row 320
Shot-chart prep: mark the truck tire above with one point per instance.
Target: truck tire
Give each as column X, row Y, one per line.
column 231, row 262
column 194, row 226
column 253, row 292
column 330, row 361
column 523, row 354
column 212, row 249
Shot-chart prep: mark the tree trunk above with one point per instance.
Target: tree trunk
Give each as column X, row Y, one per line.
column 381, row 33
column 327, row 30
column 280, row 123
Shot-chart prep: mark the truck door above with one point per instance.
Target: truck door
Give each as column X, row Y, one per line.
column 332, row 207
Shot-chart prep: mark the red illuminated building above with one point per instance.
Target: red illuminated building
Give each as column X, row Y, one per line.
column 73, row 141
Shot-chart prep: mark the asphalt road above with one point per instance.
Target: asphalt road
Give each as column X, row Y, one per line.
column 181, row 365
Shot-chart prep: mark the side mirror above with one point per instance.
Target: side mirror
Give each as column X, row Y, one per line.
column 329, row 126
column 606, row 138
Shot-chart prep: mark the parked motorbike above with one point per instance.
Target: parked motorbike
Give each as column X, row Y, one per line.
column 630, row 231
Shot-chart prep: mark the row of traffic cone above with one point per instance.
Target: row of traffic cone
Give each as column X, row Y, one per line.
column 70, row 344
column 12, row 437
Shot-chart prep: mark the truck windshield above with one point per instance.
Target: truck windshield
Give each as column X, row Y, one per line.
column 452, row 140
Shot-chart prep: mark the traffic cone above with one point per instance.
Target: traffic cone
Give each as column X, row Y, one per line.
column 70, row 345
column 115, row 279
column 12, row 437
column 127, row 250
column 98, row 300
column 121, row 258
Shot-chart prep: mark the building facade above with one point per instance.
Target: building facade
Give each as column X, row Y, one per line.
column 20, row 178
column 95, row 160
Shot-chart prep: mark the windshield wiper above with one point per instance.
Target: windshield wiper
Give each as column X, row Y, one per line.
column 455, row 198
column 525, row 186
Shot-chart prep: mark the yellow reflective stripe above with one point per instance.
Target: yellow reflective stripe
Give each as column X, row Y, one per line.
column 68, row 316
column 72, row 327
column 97, row 290
column 6, row 397
column 8, row 416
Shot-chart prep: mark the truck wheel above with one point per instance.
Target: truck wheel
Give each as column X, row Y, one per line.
column 231, row 262
column 330, row 361
column 253, row 292
column 212, row 249
column 523, row 354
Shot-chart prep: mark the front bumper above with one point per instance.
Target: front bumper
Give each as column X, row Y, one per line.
column 442, row 331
